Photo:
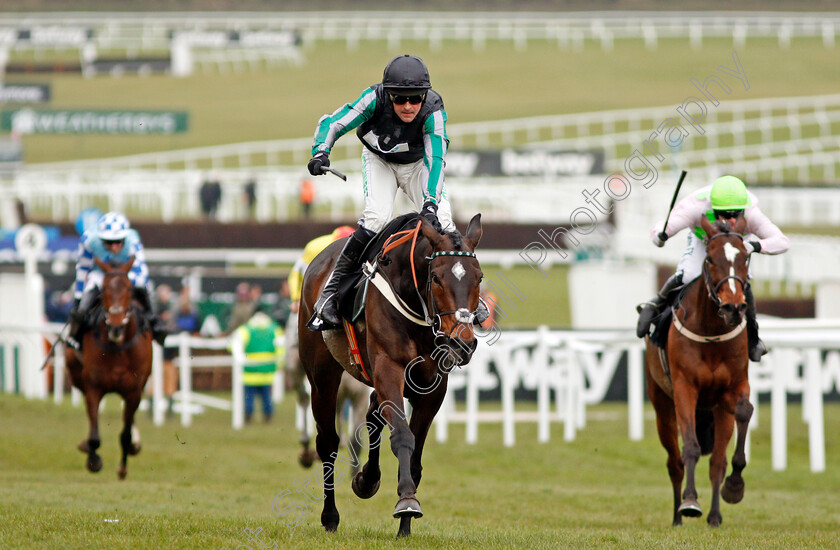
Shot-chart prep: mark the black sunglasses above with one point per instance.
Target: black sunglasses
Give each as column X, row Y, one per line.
column 403, row 99
column 728, row 213
column 109, row 243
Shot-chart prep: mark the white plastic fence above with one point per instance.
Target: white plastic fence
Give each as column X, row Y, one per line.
column 138, row 32
column 569, row 370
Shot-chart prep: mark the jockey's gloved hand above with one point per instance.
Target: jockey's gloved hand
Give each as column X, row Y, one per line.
column 752, row 246
column 74, row 311
column 661, row 237
column 429, row 213
column 317, row 162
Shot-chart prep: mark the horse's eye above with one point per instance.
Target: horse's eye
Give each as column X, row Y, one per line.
column 435, row 279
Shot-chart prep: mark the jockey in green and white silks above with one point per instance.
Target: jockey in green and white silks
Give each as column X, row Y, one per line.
column 726, row 198
column 402, row 124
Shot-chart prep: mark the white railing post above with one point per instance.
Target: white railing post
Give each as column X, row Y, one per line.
column 442, row 418
column 812, row 401
column 185, row 391
column 508, row 383
column 778, row 404
column 237, row 387
column 472, row 404
column 158, row 407
column 540, row 362
column 635, row 392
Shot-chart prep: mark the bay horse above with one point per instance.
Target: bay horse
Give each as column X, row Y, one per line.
column 116, row 356
column 700, row 387
column 416, row 326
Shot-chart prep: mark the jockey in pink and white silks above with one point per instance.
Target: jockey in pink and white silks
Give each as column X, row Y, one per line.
column 727, row 198
column 111, row 240
column 402, row 124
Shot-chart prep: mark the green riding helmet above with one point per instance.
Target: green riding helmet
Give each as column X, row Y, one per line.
column 729, row 193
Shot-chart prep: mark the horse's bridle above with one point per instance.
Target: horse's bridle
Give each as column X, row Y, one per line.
column 433, row 317
column 462, row 315
column 712, row 287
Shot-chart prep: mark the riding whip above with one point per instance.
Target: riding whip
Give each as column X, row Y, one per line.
column 662, row 235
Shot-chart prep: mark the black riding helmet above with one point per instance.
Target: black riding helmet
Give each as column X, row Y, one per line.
column 406, row 75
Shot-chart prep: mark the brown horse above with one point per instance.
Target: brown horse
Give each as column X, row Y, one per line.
column 416, row 327
column 704, row 373
column 116, row 357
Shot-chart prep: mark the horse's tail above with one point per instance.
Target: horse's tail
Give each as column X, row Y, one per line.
column 704, row 422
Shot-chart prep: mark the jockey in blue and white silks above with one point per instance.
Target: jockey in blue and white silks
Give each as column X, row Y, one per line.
column 112, row 241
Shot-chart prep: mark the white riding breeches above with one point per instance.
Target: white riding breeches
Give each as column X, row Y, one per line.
column 691, row 262
column 381, row 179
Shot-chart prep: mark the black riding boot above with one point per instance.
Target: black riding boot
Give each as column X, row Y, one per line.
column 326, row 308
column 159, row 332
column 756, row 347
column 648, row 311
column 76, row 331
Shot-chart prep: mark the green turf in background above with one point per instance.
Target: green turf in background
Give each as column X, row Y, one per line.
column 496, row 83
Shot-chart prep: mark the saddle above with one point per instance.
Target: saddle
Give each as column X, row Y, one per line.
column 353, row 288
column 661, row 324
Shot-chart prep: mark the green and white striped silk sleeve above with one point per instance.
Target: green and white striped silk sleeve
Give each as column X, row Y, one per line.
column 435, row 144
column 349, row 116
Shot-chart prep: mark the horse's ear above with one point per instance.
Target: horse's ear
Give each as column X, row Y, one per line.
column 707, row 226
column 431, row 234
column 474, row 232
column 740, row 225
column 101, row 265
column 127, row 265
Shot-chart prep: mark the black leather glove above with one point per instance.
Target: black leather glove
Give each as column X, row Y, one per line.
column 661, row 237
column 74, row 312
column 429, row 213
column 317, row 162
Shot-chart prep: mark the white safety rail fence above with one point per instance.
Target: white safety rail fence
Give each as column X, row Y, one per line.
column 568, row 370
column 139, row 32
column 618, row 132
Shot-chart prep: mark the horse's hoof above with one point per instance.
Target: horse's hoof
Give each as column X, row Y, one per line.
column 122, row 472
column 361, row 489
column 134, row 449
column 714, row 520
column 732, row 490
column 84, row 447
column 307, row 457
column 330, row 521
column 690, row 509
column 408, row 507
column 94, row 463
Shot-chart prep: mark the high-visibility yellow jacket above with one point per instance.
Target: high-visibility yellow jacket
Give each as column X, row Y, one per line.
column 262, row 339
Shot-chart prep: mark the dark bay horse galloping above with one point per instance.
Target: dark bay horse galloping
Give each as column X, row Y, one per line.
column 116, row 356
column 416, row 327
column 700, row 387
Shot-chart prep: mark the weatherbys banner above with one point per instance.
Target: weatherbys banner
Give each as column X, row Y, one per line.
column 524, row 162
column 30, row 121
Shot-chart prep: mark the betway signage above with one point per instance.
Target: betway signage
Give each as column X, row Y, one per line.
column 30, row 121
column 524, row 162
column 24, row 93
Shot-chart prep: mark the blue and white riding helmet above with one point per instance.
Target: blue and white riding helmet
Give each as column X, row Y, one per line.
column 113, row 226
